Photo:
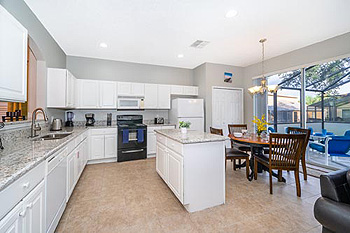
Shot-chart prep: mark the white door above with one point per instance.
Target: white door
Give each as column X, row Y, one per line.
column 151, row 96
column 97, row 146
column 111, row 146
column 138, row 89
column 89, row 93
column 71, row 173
column 34, row 205
column 13, row 58
column 108, row 92
column 227, row 108
column 151, row 143
column 164, row 96
column 196, row 123
column 190, row 107
column 161, row 161
column 175, row 174
column 13, row 221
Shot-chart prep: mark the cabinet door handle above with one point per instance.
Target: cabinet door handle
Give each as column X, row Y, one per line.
column 23, row 213
column 26, row 185
column 30, row 205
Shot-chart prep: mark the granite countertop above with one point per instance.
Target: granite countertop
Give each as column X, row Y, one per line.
column 192, row 136
column 159, row 125
column 21, row 156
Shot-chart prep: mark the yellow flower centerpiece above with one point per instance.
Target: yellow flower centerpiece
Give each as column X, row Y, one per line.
column 261, row 124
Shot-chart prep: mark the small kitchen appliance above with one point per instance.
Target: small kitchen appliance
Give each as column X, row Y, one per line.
column 90, row 119
column 159, row 120
column 69, row 122
column 109, row 119
column 132, row 138
column 56, row 124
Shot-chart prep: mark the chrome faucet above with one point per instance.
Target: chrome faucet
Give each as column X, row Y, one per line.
column 36, row 127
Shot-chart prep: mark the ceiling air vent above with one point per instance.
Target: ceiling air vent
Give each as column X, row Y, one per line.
column 199, row 44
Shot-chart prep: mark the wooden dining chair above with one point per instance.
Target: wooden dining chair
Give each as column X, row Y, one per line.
column 237, row 128
column 285, row 152
column 307, row 132
column 233, row 153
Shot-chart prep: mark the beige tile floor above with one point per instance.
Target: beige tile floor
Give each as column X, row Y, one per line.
column 130, row 197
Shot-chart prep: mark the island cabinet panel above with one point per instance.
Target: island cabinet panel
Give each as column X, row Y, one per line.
column 12, row 222
column 161, row 163
column 175, row 174
column 194, row 170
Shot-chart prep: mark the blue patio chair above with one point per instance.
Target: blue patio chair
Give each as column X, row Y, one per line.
column 334, row 146
column 347, row 133
column 311, row 130
column 271, row 130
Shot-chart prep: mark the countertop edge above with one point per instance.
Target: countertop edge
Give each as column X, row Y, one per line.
column 193, row 142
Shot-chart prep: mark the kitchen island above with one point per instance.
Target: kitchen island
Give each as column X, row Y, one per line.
column 193, row 167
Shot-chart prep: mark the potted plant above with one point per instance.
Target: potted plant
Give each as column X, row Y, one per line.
column 184, row 125
column 261, row 124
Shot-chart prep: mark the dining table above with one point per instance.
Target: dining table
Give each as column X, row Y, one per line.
column 257, row 145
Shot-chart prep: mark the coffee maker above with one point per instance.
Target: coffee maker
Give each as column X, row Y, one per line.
column 69, row 122
column 90, row 119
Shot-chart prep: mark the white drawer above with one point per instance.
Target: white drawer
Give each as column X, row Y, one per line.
column 175, row 146
column 11, row 195
column 103, row 131
column 161, row 139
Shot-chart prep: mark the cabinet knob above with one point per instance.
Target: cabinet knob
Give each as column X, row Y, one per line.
column 23, row 213
column 30, row 205
column 26, row 185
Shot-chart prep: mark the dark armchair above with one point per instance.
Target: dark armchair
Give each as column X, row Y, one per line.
column 332, row 210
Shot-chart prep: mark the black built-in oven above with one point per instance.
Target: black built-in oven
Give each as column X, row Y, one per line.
column 132, row 138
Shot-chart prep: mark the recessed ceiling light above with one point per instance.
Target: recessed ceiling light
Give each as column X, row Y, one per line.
column 103, row 45
column 231, row 14
column 180, row 56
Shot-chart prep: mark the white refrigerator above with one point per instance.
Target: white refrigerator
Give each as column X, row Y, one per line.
column 184, row 109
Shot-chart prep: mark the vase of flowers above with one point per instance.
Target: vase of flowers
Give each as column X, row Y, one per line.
column 184, row 125
column 261, row 124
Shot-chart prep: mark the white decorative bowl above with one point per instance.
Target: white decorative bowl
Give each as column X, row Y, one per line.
column 237, row 135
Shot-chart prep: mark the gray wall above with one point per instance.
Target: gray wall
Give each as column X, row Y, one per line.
column 91, row 68
column 51, row 51
column 208, row 75
column 335, row 47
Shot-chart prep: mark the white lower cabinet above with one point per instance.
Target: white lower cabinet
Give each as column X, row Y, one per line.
column 13, row 221
column 103, row 143
column 34, row 210
column 175, row 174
column 152, row 140
column 71, row 174
column 161, row 162
column 28, row 215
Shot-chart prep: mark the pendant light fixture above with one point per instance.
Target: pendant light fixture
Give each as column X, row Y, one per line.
column 263, row 83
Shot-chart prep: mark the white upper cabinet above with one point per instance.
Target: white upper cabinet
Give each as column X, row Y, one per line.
column 190, row 90
column 164, row 96
column 108, row 94
column 13, row 58
column 96, row 94
column 60, row 88
column 177, row 90
column 184, row 90
column 151, row 96
column 88, row 93
column 131, row 89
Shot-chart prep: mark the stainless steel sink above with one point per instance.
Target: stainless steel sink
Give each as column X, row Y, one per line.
column 52, row 136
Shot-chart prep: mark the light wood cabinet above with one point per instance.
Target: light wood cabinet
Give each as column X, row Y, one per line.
column 13, row 59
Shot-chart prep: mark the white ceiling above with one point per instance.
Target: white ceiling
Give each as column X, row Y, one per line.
column 156, row 31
